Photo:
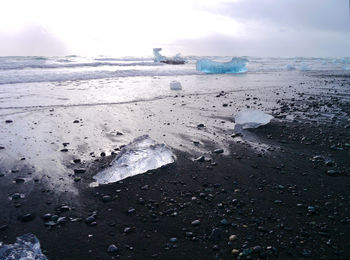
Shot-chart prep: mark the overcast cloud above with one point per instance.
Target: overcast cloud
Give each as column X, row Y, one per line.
column 192, row 27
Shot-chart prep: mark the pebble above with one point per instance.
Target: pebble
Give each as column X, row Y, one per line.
column 224, row 222
column 200, row 159
column 131, row 211
column 173, row 240
column 26, row 217
column 90, row 219
column 3, row 227
column 106, row 198
column 235, row 251
column 195, row 222
column 112, row 249
column 47, row 216
column 217, row 151
column 232, row 237
column 79, row 170
column 306, row 253
column 215, row 234
column 332, row 173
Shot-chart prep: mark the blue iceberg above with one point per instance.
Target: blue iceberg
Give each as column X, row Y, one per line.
column 236, row 65
column 26, row 247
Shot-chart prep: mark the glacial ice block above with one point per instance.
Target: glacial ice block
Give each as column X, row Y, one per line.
column 157, row 56
column 139, row 156
column 175, row 85
column 177, row 59
column 26, row 247
column 252, row 119
column 236, row 65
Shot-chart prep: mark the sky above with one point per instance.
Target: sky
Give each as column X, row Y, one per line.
column 288, row 28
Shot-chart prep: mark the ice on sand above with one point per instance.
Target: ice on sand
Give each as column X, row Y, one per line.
column 252, row 119
column 236, row 65
column 175, row 85
column 26, row 247
column 139, row 156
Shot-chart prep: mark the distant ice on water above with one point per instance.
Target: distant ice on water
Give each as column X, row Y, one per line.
column 290, row 67
column 177, row 59
column 26, row 247
column 236, row 65
column 252, row 119
column 139, row 156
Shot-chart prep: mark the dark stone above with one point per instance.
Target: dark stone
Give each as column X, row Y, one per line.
column 90, row 219
column 47, row 216
column 200, row 159
column 26, row 217
column 195, row 222
column 79, row 171
column 106, row 198
column 112, row 249
column 19, row 180
column 200, row 125
column 77, row 161
column 8, row 121
column 131, row 211
column 215, row 234
column 219, row 151
column 306, row 253
column 4, row 227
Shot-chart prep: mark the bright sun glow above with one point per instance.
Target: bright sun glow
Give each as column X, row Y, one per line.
column 117, row 27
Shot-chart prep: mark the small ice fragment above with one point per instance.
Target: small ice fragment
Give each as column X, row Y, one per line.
column 346, row 67
column 290, row 67
column 252, row 119
column 175, row 85
column 236, row 65
column 26, row 247
column 139, row 156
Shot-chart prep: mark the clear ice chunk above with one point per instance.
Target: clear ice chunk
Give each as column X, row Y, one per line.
column 26, row 247
column 236, row 65
column 139, row 156
column 252, row 119
column 175, row 85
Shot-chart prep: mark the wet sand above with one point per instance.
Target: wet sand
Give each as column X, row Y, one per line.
column 282, row 189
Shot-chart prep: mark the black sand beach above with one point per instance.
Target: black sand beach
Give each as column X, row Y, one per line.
column 280, row 191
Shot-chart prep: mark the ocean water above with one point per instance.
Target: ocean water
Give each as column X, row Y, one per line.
column 71, row 80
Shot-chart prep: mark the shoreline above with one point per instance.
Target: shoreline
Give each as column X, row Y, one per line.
column 271, row 188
